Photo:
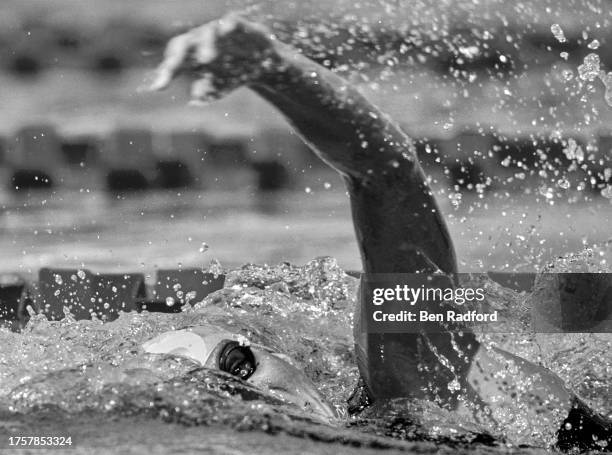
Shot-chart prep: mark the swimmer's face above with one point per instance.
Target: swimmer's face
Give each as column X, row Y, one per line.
column 257, row 365
column 276, row 374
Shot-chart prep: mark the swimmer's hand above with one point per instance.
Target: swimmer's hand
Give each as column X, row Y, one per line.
column 220, row 56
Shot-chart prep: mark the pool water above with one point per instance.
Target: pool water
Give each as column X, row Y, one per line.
column 91, row 372
column 144, row 231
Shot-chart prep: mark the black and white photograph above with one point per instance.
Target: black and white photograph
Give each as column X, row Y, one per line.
column 305, row 227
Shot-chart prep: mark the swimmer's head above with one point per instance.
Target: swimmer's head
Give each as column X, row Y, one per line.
column 258, row 365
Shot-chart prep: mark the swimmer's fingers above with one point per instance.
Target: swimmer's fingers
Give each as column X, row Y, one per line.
column 191, row 50
column 198, row 50
column 175, row 56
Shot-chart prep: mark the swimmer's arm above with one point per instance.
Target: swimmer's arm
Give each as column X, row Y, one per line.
column 398, row 224
column 334, row 118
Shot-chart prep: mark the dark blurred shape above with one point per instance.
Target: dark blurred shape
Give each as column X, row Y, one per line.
column 173, row 174
column 85, row 294
column 158, row 306
column 120, row 180
column 28, row 52
column 473, row 50
column 518, row 281
column 35, row 157
column 24, row 64
column 13, row 301
column 520, row 152
column 427, row 150
column 543, row 47
column 600, row 163
column 150, row 41
column 59, row 288
column 271, row 175
column 225, row 162
column 108, row 63
column 470, row 158
column 584, row 431
column 80, row 151
column 492, row 62
column 572, row 302
column 533, row 152
column 226, row 152
column 467, row 174
column 28, row 179
column 128, row 154
column 117, row 292
column 3, row 150
column 473, row 144
column 150, row 38
column 188, row 148
column 68, row 38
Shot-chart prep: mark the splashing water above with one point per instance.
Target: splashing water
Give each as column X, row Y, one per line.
column 302, row 312
column 306, row 312
column 557, row 31
column 590, row 70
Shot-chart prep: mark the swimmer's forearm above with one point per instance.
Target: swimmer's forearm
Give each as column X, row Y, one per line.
column 338, row 122
column 398, row 225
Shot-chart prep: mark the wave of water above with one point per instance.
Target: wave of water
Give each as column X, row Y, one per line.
column 304, row 312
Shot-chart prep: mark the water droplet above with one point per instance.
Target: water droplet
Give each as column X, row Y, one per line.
column 557, row 31
column 58, row 279
column 563, row 183
column 546, row 192
column 454, row 385
column 593, row 44
column 169, row 301
column 204, row 247
column 573, row 151
column 589, row 70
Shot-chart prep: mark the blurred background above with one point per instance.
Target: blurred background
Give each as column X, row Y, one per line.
column 506, row 101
